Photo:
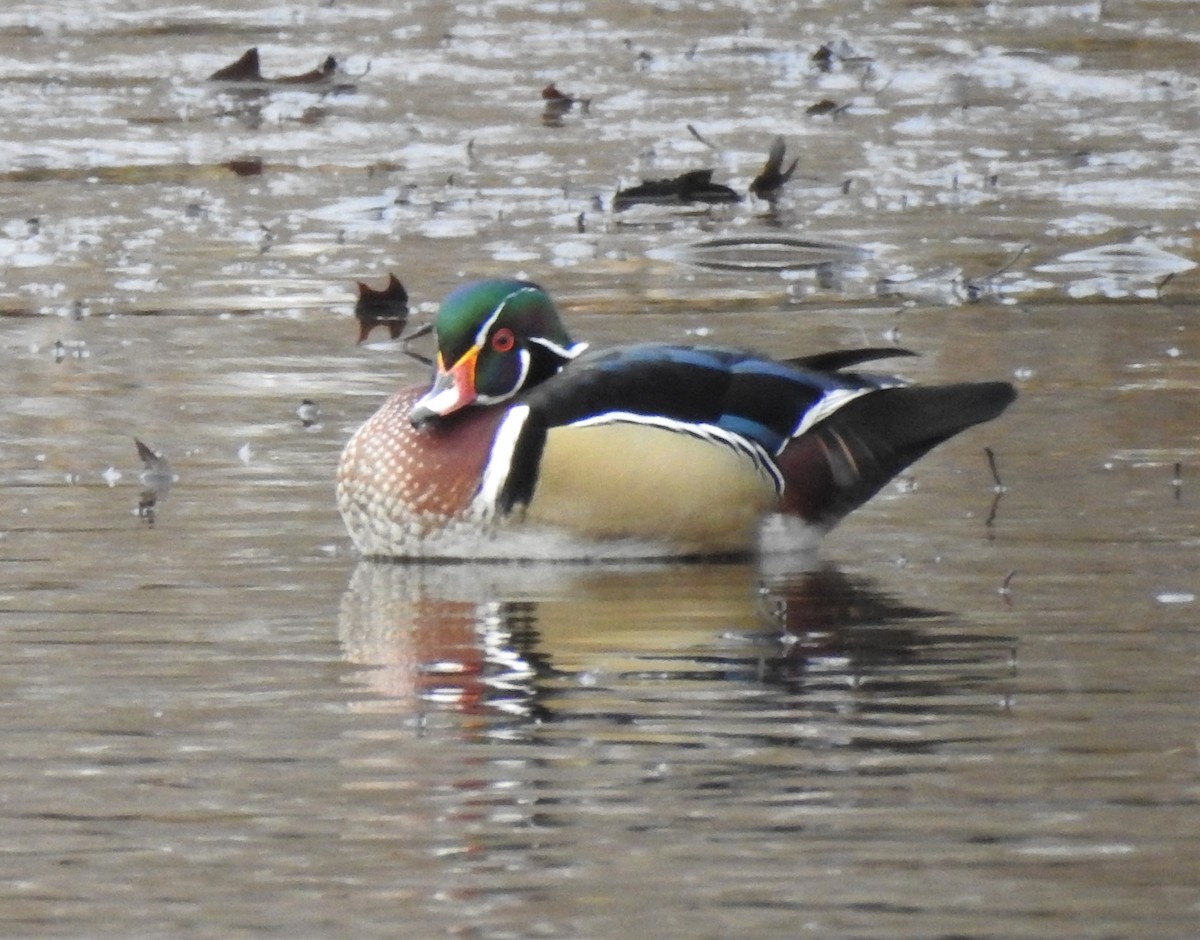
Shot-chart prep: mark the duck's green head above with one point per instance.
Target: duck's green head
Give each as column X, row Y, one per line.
column 495, row 338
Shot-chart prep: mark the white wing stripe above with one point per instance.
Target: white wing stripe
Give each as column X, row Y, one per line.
column 827, row 405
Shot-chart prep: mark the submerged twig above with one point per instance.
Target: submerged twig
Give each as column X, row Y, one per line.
column 1007, row 266
column 422, row 330
column 991, row 459
column 994, row 511
column 361, row 75
column 1005, row 589
column 700, row 137
column 1161, row 285
column 997, row 486
column 975, row 285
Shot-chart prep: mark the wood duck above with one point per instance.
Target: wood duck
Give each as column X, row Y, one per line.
column 527, row 446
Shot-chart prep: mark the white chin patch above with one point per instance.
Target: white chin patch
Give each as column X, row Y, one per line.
column 440, row 402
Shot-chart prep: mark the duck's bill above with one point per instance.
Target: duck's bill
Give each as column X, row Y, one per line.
column 452, row 389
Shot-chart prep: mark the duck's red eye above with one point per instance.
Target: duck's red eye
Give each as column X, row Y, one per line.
column 503, row 340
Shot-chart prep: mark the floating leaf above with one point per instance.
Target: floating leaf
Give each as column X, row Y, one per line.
column 387, row 307
column 246, row 166
column 689, row 187
column 824, row 106
column 769, row 180
column 558, row 104
column 247, row 71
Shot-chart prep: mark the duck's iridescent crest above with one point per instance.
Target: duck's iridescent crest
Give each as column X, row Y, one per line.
column 494, row 338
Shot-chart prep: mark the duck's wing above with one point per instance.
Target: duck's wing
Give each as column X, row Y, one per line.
column 731, row 399
column 695, row 388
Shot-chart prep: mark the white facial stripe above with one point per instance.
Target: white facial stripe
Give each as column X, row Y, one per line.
column 524, row 358
column 481, row 336
column 563, row 351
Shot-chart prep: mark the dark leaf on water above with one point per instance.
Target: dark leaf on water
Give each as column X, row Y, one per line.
column 824, row 106
column 558, row 104
column 838, row 54
column 324, row 71
column 246, row 166
column 769, row 180
column 689, row 187
column 245, row 69
column 386, row 307
column 156, row 478
column 824, row 58
column 151, row 459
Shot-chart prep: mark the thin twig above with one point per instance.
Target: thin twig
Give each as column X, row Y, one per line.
column 700, row 137
column 992, row 513
column 361, row 75
column 1004, row 268
column 991, row 459
column 420, row 331
column 975, row 285
column 1005, row 589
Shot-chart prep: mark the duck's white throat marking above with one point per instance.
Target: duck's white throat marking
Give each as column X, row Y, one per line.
column 499, row 464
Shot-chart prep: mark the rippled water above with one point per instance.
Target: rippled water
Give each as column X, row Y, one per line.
column 973, row 715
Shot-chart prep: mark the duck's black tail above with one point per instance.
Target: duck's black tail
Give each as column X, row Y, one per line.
column 847, row 458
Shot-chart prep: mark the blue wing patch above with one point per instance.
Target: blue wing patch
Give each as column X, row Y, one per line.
column 630, row 356
column 767, row 438
column 781, row 370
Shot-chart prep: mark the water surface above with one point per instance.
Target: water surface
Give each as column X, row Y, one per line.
column 972, row 715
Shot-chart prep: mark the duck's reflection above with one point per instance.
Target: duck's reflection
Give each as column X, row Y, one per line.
column 529, row 642
column 443, row 636
column 825, row 615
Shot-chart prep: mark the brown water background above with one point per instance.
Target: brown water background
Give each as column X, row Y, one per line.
column 974, row 716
